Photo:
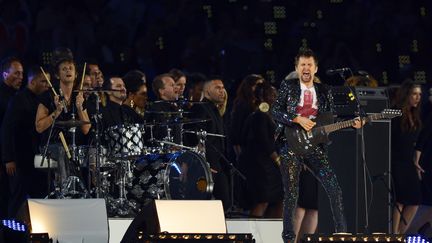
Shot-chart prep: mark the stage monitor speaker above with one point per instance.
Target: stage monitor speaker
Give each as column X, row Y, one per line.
column 191, row 216
column 178, row 216
column 345, row 158
column 70, row 220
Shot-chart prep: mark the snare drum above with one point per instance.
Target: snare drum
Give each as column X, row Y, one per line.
column 180, row 175
column 125, row 140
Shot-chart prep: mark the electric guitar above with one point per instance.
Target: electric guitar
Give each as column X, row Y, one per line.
column 302, row 142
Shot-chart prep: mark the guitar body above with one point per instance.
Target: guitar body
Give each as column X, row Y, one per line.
column 302, row 142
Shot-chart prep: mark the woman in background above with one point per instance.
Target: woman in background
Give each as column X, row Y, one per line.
column 259, row 159
column 135, row 83
column 405, row 131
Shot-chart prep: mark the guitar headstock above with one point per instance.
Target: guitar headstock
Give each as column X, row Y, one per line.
column 390, row 113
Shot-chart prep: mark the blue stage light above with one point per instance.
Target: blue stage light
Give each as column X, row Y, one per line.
column 14, row 225
column 416, row 239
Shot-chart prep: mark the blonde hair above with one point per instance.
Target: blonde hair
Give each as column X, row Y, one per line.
column 222, row 107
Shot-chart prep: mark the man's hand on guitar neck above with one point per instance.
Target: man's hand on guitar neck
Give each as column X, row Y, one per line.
column 304, row 122
column 357, row 123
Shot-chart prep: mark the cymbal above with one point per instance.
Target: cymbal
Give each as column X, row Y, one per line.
column 167, row 112
column 184, row 121
column 95, row 90
column 71, row 123
column 180, row 101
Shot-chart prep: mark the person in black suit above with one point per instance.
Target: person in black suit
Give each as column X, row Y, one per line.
column 164, row 109
column 12, row 76
column 20, row 143
column 214, row 95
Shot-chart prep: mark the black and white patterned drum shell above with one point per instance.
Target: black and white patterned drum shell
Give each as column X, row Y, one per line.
column 125, row 140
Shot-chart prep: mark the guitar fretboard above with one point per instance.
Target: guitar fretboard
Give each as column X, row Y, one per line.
column 344, row 124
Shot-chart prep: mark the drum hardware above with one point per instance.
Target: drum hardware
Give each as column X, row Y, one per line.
column 97, row 118
column 202, row 137
column 47, row 154
column 69, row 186
column 180, row 175
column 169, row 137
column 123, row 206
column 162, row 142
column 204, row 133
column 125, row 143
column 72, row 130
column 73, row 186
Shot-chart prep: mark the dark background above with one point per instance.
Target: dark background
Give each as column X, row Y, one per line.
column 232, row 38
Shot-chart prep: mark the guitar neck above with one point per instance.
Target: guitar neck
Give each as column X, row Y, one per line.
column 337, row 126
column 344, row 124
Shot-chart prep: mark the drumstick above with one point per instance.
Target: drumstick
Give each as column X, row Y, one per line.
column 66, row 148
column 82, row 78
column 49, row 83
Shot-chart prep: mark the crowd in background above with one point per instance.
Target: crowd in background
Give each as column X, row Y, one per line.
column 227, row 38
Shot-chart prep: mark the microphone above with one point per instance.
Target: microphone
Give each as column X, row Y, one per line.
column 337, row 71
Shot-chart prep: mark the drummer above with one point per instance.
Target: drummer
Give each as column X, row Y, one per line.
column 64, row 105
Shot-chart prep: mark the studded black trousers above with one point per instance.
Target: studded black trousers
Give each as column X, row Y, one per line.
column 318, row 163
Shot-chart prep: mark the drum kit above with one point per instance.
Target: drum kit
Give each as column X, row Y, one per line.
column 128, row 166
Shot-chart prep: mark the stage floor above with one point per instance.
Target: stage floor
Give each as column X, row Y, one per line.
column 263, row 230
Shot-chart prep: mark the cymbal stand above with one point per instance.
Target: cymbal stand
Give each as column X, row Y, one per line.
column 72, row 131
column 97, row 117
column 169, row 137
column 181, row 110
column 123, row 206
column 151, row 133
column 74, row 180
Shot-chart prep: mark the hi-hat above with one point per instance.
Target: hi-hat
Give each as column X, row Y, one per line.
column 167, row 112
column 71, row 123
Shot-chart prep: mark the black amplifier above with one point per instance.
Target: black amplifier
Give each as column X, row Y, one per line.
column 372, row 100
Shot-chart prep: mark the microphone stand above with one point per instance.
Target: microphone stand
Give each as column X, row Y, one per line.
column 47, row 155
column 233, row 171
column 362, row 151
column 381, row 177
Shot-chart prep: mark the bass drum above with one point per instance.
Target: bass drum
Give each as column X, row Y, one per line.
column 179, row 175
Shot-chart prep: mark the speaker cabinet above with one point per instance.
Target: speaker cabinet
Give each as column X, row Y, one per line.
column 346, row 158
